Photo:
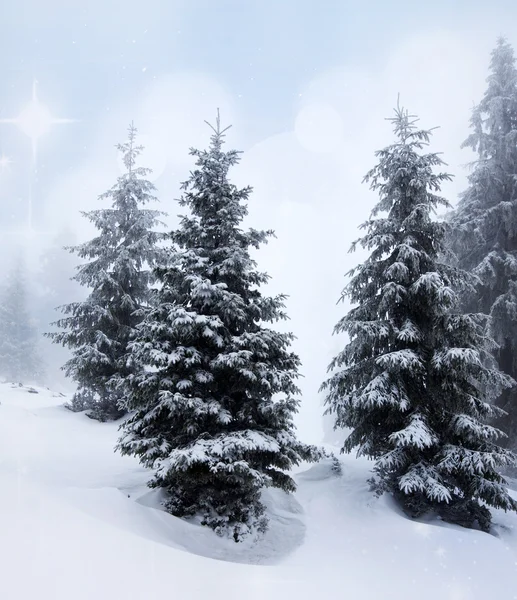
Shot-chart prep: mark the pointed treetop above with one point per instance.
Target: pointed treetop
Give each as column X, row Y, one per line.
column 403, row 166
column 502, row 66
column 503, row 46
column 405, row 127
column 218, row 135
column 496, row 114
column 129, row 149
column 502, row 41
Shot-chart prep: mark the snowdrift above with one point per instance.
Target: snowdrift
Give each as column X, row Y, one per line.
column 77, row 522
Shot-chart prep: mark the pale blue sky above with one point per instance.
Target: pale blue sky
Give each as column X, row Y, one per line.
column 90, row 56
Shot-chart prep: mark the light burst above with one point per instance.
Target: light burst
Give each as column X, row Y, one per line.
column 35, row 120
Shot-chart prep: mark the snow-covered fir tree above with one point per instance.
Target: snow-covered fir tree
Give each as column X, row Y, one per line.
column 20, row 360
column 118, row 273
column 484, row 232
column 213, row 409
column 410, row 382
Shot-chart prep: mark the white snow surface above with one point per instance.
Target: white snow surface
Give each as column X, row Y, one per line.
column 77, row 522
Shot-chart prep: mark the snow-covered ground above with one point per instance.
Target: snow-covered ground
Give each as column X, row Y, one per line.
column 77, row 522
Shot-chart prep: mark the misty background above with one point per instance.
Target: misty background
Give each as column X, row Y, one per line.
column 307, row 86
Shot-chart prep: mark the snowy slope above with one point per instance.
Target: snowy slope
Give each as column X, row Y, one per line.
column 77, row 522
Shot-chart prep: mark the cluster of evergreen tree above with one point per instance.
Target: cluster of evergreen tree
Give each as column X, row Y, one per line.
column 176, row 334
column 426, row 381
column 204, row 417
column 210, row 387
column 411, row 381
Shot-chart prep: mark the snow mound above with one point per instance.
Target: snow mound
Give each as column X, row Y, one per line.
column 50, row 445
column 78, row 522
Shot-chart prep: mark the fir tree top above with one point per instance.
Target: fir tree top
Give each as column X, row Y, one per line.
column 127, row 236
column 495, row 117
column 210, row 242
column 484, row 221
column 407, row 187
column 217, row 208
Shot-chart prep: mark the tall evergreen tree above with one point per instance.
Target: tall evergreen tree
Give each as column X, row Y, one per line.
column 410, row 383
column 20, row 361
column 213, row 409
column 118, row 274
column 484, row 233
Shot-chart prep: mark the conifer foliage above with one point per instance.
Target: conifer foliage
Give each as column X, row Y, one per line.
column 410, row 383
column 484, row 232
column 118, row 273
column 213, row 406
column 20, row 361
